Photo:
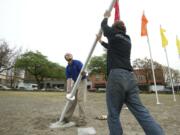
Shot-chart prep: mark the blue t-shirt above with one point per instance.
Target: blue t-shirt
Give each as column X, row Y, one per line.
column 73, row 70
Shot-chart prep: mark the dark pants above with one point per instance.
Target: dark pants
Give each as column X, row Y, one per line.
column 122, row 88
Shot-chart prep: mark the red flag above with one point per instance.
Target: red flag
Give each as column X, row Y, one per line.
column 117, row 14
column 144, row 26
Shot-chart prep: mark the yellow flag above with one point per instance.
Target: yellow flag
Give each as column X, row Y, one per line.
column 178, row 44
column 163, row 38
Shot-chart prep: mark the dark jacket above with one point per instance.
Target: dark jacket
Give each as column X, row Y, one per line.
column 118, row 47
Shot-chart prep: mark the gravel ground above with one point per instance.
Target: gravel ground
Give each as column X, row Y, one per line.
column 30, row 113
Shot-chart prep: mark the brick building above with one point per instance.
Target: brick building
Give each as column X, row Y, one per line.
column 97, row 80
column 144, row 77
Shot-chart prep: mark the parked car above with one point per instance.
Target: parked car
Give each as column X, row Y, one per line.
column 92, row 89
column 158, row 87
column 101, row 90
column 3, row 87
column 27, row 86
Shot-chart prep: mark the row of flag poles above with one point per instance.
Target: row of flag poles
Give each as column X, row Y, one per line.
column 144, row 32
column 164, row 40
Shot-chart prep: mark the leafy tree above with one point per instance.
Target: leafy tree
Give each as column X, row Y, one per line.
column 37, row 65
column 55, row 71
column 98, row 65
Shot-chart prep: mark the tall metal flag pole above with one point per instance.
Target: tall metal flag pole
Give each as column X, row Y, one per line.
column 152, row 67
column 164, row 44
column 170, row 74
column 71, row 96
column 144, row 32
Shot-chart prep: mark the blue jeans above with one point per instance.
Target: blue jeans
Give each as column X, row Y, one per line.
column 122, row 88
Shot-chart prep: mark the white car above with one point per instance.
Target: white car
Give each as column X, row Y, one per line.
column 3, row 87
column 27, row 86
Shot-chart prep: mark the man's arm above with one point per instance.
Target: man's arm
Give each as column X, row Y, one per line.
column 104, row 44
column 68, row 81
column 105, row 28
column 69, row 85
column 104, row 24
column 67, row 73
column 80, row 65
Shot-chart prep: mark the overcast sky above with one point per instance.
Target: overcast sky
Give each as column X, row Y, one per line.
column 55, row 27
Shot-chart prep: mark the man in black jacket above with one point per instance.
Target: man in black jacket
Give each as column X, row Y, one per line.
column 121, row 85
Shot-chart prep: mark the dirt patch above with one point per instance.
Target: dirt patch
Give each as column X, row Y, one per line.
column 31, row 113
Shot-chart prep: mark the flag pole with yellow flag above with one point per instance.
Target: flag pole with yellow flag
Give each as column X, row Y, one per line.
column 163, row 37
column 178, row 45
column 164, row 44
column 144, row 32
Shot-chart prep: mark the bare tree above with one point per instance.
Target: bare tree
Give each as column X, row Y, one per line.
column 175, row 74
column 8, row 56
column 145, row 64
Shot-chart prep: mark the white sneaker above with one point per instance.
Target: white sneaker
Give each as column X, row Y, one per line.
column 62, row 123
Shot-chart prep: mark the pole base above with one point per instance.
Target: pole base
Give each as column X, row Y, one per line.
column 158, row 103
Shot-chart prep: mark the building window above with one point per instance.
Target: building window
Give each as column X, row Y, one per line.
column 140, row 78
